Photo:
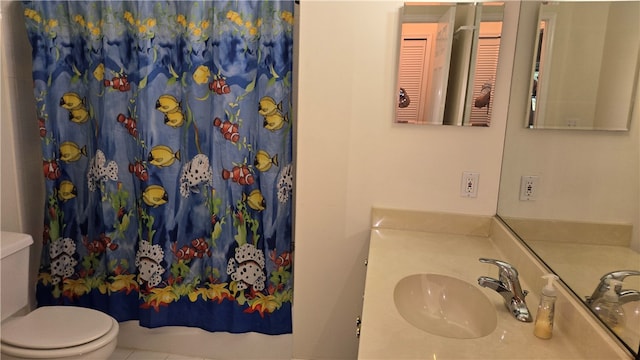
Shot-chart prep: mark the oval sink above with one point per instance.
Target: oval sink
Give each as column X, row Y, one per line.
column 445, row 306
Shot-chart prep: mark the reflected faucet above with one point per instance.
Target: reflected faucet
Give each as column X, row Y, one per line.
column 625, row 296
column 508, row 286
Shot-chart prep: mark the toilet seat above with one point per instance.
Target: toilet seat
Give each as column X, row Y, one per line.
column 58, row 331
column 56, row 327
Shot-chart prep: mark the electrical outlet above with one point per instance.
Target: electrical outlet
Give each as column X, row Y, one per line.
column 469, row 184
column 528, row 187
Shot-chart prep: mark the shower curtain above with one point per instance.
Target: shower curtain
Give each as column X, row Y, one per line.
column 166, row 133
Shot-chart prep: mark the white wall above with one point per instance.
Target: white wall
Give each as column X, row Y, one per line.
column 615, row 86
column 350, row 157
column 565, row 100
column 20, row 141
column 21, row 178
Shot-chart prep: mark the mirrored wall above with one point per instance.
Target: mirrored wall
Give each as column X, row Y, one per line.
column 573, row 197
column 586, row 66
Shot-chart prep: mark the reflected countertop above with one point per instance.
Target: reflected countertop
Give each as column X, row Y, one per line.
column 582, row 265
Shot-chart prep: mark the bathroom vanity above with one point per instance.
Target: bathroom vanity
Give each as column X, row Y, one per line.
column 405, row 243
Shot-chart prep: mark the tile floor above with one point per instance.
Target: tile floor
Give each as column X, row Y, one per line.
column 130, row 354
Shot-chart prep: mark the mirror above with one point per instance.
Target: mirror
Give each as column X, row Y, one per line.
column 586, row 66
column 447, row 62
column 573, row 197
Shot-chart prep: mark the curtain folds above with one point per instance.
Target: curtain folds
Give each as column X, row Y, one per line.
column 166, row 134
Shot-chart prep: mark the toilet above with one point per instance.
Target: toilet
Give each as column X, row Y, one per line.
column 50, row 332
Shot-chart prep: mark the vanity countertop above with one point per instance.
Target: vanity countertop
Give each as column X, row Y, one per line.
column 396, row 253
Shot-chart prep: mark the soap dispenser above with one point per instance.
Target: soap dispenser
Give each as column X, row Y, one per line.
column 608, row 307
column 543, row 326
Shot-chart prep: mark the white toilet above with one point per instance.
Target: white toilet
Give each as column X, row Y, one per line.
column 51, row 332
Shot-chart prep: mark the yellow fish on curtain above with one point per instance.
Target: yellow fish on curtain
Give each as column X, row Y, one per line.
column 166, row 134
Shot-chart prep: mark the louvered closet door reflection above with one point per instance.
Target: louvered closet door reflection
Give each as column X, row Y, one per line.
column 486, row 66
column 411, row 77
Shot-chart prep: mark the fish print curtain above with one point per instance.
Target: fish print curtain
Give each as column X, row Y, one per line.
column 166, row 133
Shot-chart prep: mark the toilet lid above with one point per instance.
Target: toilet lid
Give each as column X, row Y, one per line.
column 55, row 327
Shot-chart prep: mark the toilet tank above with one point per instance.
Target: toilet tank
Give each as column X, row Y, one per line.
column 14, row 266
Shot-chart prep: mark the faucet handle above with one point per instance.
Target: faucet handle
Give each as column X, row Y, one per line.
column 619, row 275
column 509, row 287
column 503, row 267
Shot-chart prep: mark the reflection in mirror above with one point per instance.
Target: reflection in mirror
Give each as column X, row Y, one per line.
column 448, row 59
column 480, row 102
column 581, row 215
column 586, row 66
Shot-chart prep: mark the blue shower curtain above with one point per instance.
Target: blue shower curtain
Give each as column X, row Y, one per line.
column 166, row 134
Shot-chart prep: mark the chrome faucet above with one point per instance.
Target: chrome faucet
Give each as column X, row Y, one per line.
column 625, row 296
column 508, row 286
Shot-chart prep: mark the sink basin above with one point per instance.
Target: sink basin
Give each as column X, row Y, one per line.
column 445, row 306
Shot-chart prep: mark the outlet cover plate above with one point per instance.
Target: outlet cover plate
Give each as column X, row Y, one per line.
column 469, row 184
column 528, row 187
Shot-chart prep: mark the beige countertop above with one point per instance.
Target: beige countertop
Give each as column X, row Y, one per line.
column 395, row 253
